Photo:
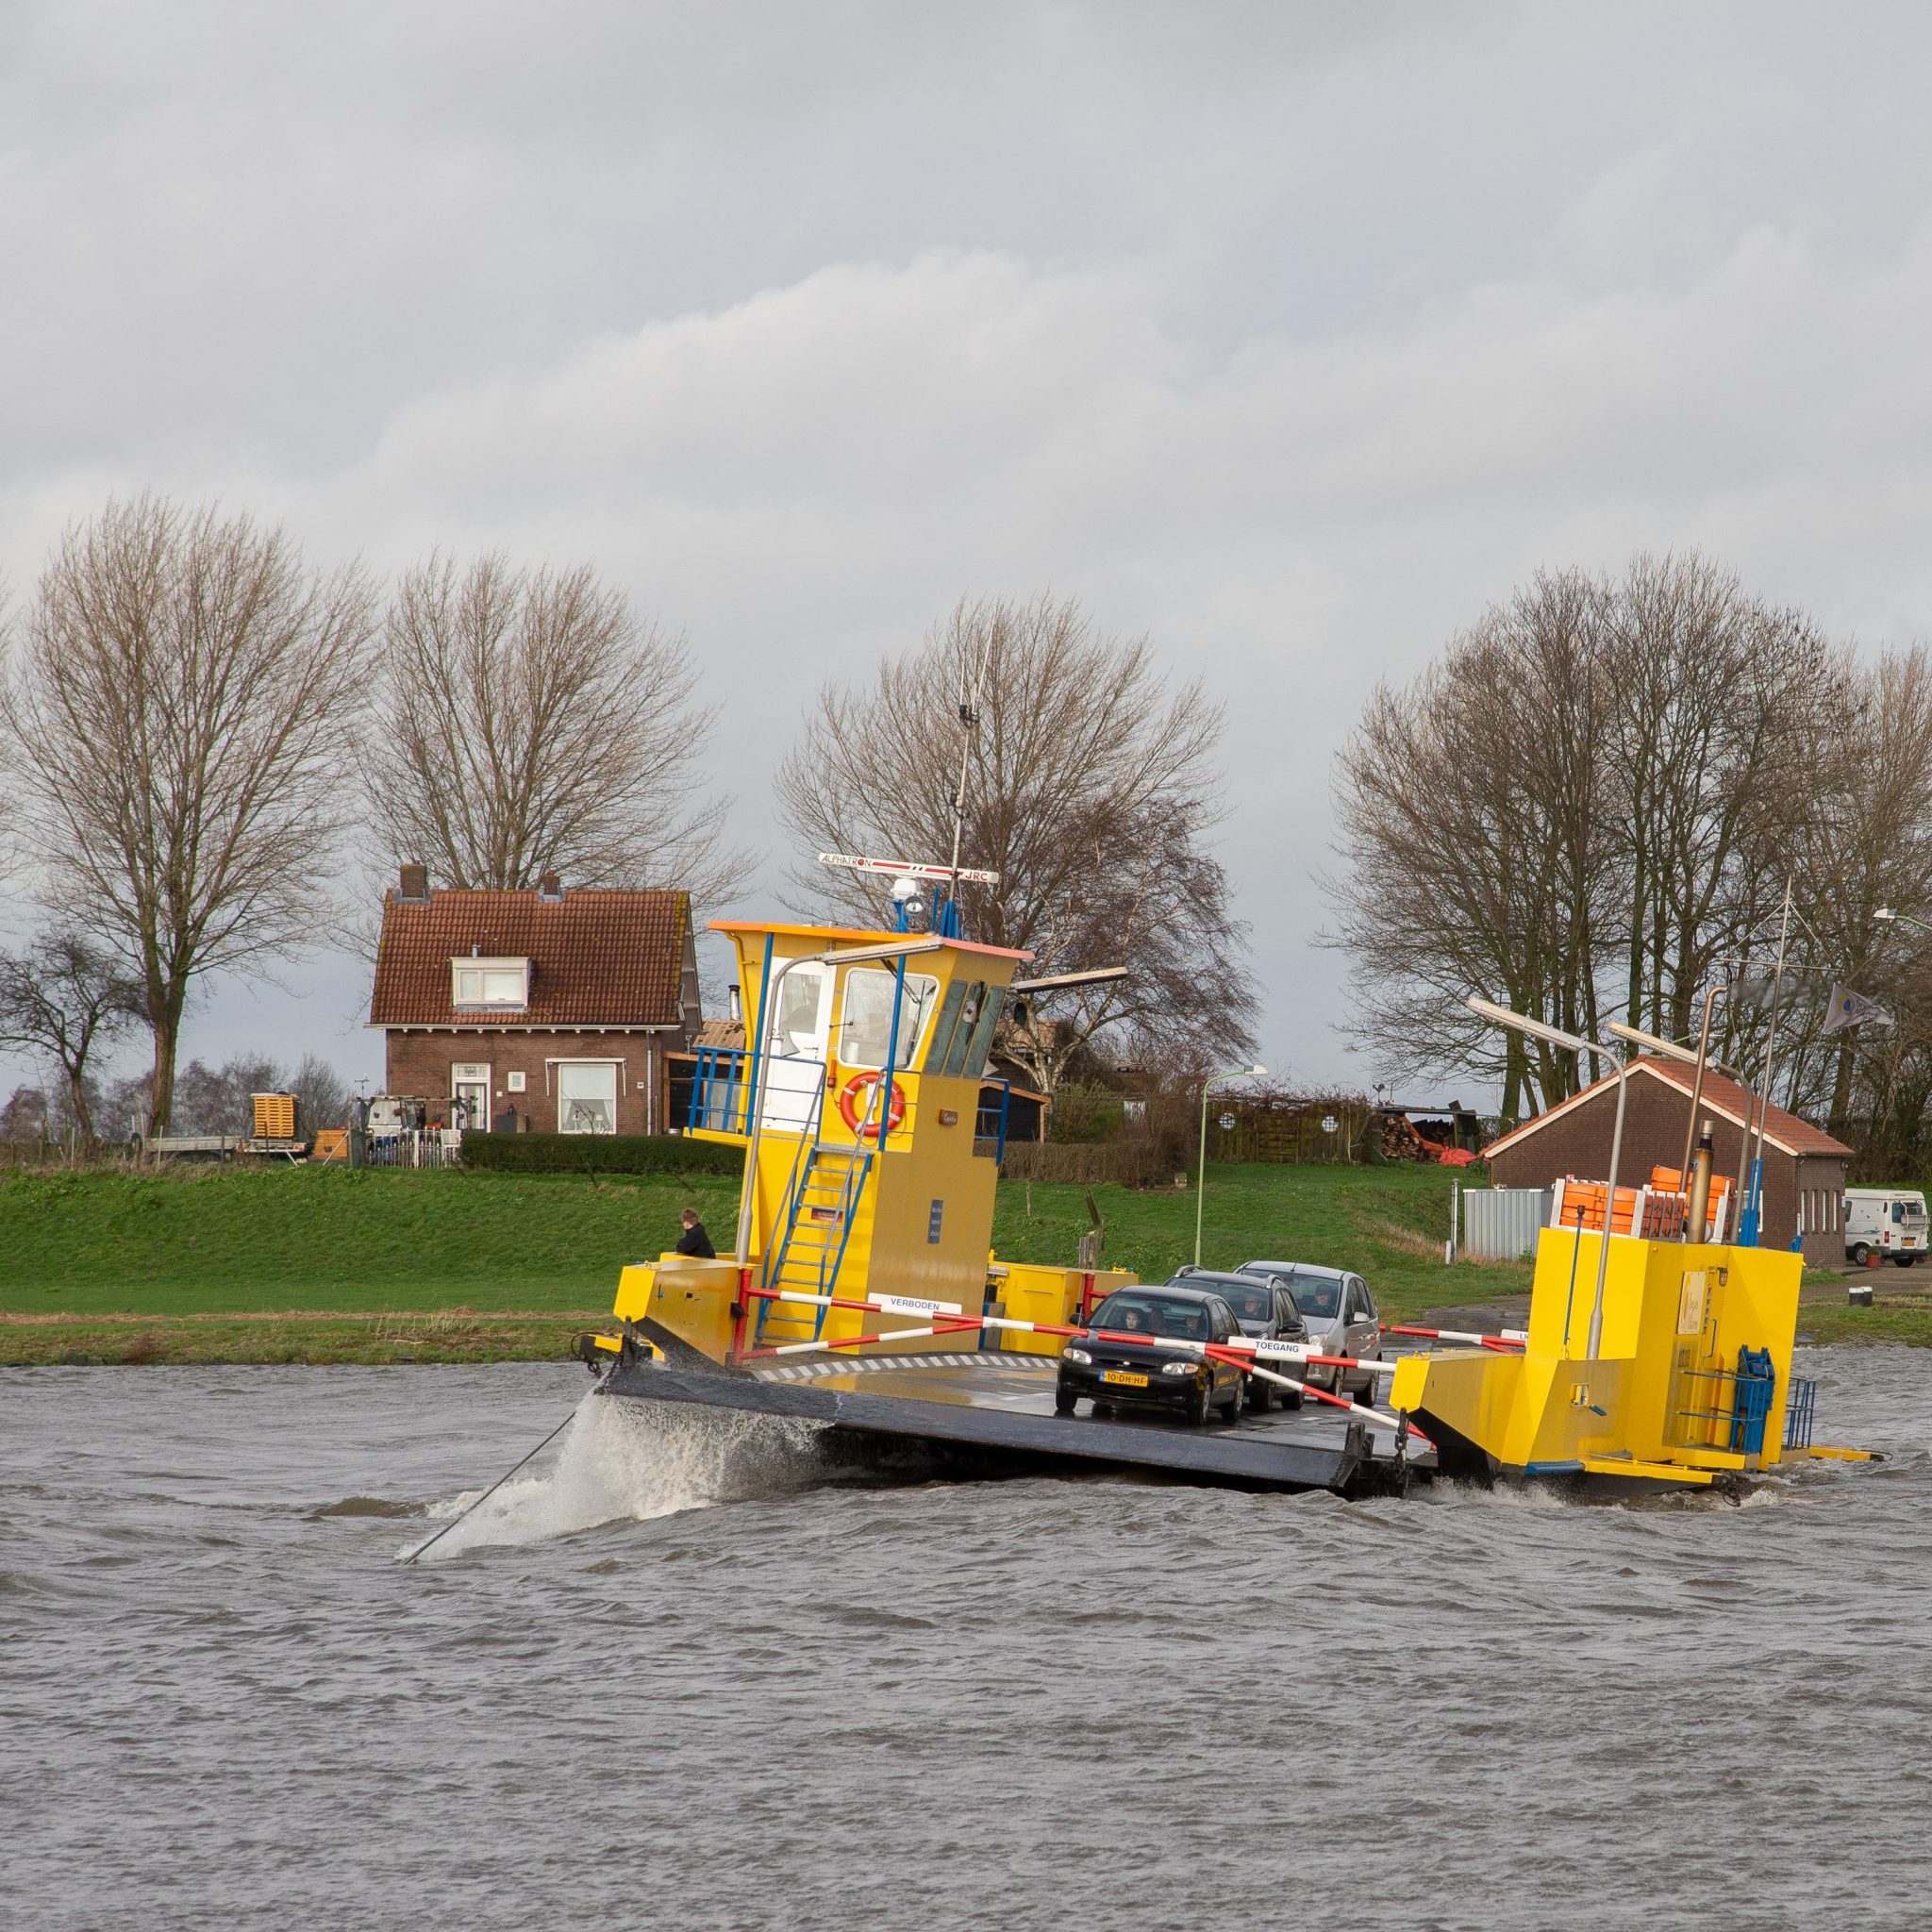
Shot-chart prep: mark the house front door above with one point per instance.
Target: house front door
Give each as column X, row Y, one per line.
column 468, row 1088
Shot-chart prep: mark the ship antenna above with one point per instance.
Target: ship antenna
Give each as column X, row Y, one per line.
column 970, row 700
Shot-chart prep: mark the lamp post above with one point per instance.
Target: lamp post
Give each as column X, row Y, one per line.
column 1201, row 1174
column 1892, row 915
column 1502, row 1016
column 850, row 956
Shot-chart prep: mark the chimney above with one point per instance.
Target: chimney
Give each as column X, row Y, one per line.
column 549, row 886
column 414, row 885
column 737, row 1002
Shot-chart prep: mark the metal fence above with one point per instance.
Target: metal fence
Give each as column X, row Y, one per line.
column 1502, row 1223
column 416, row 1147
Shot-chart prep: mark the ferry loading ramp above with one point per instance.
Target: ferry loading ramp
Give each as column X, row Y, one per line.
column 991, row 1415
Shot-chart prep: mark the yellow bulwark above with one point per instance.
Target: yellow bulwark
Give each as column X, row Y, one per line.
column 858, row 1186
column 1692, row 1379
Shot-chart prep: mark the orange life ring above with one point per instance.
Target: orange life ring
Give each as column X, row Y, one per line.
column 853, row 1099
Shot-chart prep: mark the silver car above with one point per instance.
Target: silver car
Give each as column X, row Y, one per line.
column 1341, row 1319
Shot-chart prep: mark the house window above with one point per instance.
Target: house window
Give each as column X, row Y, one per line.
column 586, row 1096
column 490, row 982
column 867, row 1024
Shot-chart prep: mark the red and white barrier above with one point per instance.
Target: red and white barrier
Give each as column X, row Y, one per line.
column 1510, row 1338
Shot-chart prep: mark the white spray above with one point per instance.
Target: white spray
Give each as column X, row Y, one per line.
column 629, row 1461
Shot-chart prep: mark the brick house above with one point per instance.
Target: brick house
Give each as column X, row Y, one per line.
column 1804, row 1166
column 548, row 1011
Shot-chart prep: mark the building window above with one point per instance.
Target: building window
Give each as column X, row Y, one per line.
column 586, row 1096
column 868, row 1024
column 490, row 982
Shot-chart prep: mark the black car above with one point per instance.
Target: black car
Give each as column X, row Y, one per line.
column 1118, row 1369
column 1266, row 1311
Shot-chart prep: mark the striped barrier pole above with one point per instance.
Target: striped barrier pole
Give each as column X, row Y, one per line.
column 956, row 1318
column 1510, row 1338
column 941, row 1327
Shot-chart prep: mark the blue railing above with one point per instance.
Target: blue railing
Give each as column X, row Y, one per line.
column 991, row 1122
column 1798, row 1412
column 1734, row 1400
column 721, row 1090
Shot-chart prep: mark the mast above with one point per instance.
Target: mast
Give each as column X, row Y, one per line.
column 1754, row 1154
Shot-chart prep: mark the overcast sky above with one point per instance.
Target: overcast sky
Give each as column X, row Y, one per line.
column 1291, row 335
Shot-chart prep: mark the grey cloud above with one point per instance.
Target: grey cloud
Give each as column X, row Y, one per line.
column 1289, row 342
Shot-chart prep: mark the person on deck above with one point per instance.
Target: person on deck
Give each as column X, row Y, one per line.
column 694, row 1240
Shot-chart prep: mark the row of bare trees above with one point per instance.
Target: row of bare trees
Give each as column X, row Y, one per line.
column 209, row 746
column 1589, row 808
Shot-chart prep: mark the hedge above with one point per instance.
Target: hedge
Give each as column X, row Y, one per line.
column 599, row 1154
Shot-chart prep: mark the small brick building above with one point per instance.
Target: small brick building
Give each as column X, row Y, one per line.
column 548, row 1011
column 1804, row 1166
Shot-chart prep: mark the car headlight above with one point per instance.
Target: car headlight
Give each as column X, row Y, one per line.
column 1177, row 1368
column 1076, row 1354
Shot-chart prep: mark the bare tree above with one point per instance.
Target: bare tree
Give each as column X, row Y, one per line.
column 1589, row 806
column 179, row 721
column 529, row 725
column 1092, row 786
column 1720, row 702
column 64, row 999
column 1473, row 821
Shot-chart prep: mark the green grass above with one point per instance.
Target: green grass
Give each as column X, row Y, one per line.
column 121, row 1266
column 318, row 1264
column 323, row 1239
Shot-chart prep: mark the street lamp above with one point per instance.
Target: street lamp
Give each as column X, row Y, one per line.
column 1502, row 1016
column 1892, row 915
column 1252, row 1072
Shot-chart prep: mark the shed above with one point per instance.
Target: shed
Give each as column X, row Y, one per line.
column 1804, row 1166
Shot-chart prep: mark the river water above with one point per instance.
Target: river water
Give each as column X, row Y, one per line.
column 665, row 1678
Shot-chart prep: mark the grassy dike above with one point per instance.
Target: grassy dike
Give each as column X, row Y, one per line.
column 320, row 1265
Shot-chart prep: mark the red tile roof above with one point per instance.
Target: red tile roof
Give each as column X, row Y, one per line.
column 598, row 959
column 1723, row 1097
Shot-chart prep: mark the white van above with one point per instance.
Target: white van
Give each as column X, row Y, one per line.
column 1885, row 1220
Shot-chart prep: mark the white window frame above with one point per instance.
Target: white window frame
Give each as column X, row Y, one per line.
column 553, row 1069
column 483, row 999
column 909, row 1037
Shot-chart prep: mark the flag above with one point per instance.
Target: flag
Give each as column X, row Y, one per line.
column 1849, row 1009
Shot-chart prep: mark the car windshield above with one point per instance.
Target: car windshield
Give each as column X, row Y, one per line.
column 1153, row 1314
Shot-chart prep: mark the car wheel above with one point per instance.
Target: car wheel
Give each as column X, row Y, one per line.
column 1260, row 1396
column 1860, row 1255
column 1231, row 1409
column 1901, row 1260
column 1197, row 1408
column 1064, row 1402
column 1291, row 1398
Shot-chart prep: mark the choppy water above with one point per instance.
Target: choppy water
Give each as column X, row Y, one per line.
column 664, row 1681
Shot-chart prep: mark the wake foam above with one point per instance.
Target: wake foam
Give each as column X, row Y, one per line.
column 625, row 1460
